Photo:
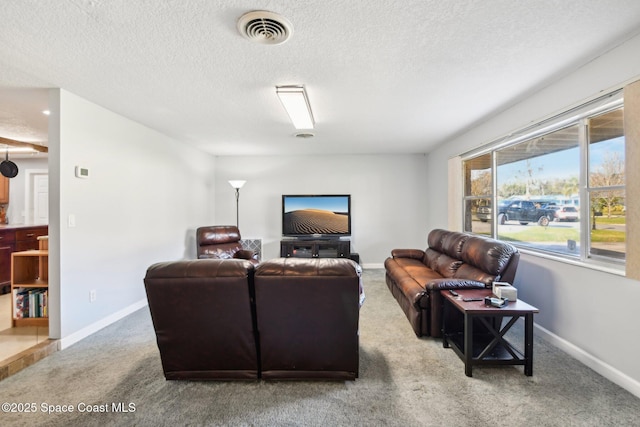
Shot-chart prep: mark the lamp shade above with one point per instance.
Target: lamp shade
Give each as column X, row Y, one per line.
column 236, row 183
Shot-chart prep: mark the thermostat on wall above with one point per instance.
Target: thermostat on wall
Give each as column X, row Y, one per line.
column 82, row 172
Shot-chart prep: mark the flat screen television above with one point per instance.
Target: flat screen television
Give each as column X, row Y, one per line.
column 316, row 216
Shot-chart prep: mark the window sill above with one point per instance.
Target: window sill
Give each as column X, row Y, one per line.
column 594, row 264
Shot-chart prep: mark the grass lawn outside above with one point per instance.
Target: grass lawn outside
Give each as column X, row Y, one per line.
column 541, row 234
column 537, row 234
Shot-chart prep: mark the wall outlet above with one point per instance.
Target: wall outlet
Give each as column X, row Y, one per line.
column 92, row 295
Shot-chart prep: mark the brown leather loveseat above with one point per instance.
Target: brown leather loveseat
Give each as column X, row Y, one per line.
column 453, row 260
column 227, row 319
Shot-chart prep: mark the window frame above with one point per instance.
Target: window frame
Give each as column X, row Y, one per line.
column 578, row 116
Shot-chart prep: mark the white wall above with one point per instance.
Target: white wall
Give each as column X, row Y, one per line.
column 388, row 197
column 145, row 195
column 589, row 313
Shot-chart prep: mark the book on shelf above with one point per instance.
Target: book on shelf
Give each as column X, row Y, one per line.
column 30, row 303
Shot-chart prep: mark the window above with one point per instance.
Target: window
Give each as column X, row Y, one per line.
column 535, row 177
column 530, row 190
column 477, row 192
column 606, row 190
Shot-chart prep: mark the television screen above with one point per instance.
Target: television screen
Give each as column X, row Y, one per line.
column 316, row 215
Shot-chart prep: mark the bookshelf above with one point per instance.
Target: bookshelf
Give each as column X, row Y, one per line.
column 30, row 285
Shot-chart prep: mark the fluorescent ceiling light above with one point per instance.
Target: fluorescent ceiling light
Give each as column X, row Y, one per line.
column 295, row 101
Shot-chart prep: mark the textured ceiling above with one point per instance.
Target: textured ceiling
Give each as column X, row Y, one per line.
column 382, row 76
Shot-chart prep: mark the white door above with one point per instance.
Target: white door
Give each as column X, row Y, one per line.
column 41, row 199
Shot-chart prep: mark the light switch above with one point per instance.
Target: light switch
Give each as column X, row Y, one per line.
column 72, row 220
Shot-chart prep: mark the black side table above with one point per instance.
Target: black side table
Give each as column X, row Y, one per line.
column 486, row 345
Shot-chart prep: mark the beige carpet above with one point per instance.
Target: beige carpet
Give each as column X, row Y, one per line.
column 404, row 381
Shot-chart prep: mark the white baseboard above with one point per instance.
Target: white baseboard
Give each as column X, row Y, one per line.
column 604, row 369
column 96, row 326
column 372, row 266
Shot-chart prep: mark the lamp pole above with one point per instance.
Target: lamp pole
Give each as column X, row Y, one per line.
column 238, row 208
column 237, row 184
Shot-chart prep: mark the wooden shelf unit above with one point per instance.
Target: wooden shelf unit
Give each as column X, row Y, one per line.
column 17, row 239
column 29, row 270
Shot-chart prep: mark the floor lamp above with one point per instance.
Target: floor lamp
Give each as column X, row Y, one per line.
column 237, row 184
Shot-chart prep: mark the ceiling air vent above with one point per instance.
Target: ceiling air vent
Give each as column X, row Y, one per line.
column 265, row 27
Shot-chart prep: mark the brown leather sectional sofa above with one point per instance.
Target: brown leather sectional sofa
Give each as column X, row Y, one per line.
column 452, row 260
column 284, row 319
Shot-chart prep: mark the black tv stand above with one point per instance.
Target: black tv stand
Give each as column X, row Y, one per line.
column 318, row 238
column 315, row 248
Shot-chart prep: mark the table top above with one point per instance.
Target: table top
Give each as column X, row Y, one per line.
column 478, row 307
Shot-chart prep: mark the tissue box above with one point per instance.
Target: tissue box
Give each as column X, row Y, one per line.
column 505, row 290
column 496, row 285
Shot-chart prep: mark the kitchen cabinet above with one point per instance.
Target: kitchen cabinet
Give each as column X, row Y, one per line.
column 4, row 190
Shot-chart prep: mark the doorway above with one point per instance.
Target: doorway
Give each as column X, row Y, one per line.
column 36, row 200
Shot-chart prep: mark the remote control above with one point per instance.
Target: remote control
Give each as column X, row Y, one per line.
column 452, row 292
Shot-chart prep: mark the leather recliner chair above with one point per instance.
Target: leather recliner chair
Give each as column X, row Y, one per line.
column 222, row 242
column 203, row 315
column 307, row 312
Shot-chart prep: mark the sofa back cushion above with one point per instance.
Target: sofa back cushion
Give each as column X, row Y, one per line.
column 202, row 316
column 430, row 258
column 435, row 238
column 218, row 241
column 465, row 256
column 441, row 263
column 307, row 313
column 447, row 242
column 491, row 256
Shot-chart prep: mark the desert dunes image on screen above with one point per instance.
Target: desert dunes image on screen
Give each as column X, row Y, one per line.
column 316, row 215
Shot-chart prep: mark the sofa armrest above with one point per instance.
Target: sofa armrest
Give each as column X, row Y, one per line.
column 408, row 253
column 435, row 299
column 246, row 254
column 443, row 284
